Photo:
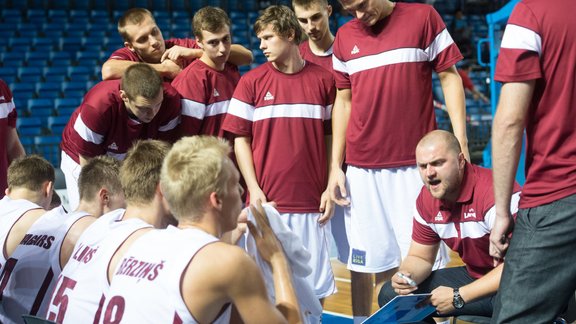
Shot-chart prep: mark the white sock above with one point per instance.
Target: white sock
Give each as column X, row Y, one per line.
column 444, row 322
column 359, row 319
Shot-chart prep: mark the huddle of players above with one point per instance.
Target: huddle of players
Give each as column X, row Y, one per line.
column 277, row 116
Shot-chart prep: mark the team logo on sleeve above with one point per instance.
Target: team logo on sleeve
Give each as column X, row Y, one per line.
column 358, row 257
column 268, row 96
column 439, row 217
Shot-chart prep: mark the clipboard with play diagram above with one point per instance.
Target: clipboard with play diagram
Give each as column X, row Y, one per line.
column 403, row 309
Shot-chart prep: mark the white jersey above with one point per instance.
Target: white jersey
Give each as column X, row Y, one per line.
column 84, row 282
column 35, row 265
column 145, row 287
column 10, row 212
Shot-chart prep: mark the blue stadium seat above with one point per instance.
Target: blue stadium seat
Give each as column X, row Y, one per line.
column 28, row 143
column 71, row 44
column 29, row 126
column 56, row 124
column 23, row 91
column 65, row 106
column 11, row 15
column 57, row 14
column 99, row 15
column 30, row 74
column 7, row 70
column 12, row 59
column 74, row 86
column 48, row 90
column 44, row 42
column 158, row 5
column 41, row 107
column 49, row 147
column 56, row 72
column 79, row 14
column 80, row 73
column 88, row 58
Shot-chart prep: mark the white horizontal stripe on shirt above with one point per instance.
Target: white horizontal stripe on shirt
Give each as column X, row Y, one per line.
column 440, row 43
column 289, row 111
column 170, row 125
column 241, row 109
column 217, row 108
column 328, row 114
column 400, row 55
column 517, row 37
column 86, row 133
column 193, row 109
column 6, row 108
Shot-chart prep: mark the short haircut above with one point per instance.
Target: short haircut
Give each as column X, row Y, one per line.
column 30, row 172
column 435, row 136
column 309, row 3
column 210, row 19
column 141, row 80
column 283, row 22
column 132, row 16
column 140, row 170
column 192, row 170
column 99, row 172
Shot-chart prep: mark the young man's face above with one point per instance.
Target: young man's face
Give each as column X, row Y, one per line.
column 142, row 108
column 216, row 46
column 274, row 47
column 441, row 170
column 368, row 12
column 314, row 20
column 146, row 40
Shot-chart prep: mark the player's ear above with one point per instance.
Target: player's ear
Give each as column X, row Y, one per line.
column 129, row 45
column 215, row 201
column 329, row 9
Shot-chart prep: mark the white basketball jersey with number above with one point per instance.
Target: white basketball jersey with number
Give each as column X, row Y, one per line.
column 82, row 286
column 10, row 212
column 35, row 265
column 145, row 287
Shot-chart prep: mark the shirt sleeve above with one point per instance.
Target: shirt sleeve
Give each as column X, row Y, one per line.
column 339, row 67
column 442, row 51
column 169, row 128
column 519, row 58
column 240, row 116
column 421, row 231
column 124, row 54
column 194, row 100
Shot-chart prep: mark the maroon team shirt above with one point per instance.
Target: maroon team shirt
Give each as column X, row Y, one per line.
column 324, row 61
column 464, row 225
column 7, row 120
column 206, row 94
column 285, row 115
column 388, row 68
column 101, row 125
column 530, row 51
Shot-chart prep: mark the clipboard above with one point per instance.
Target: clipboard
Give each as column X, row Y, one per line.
column 403, row 309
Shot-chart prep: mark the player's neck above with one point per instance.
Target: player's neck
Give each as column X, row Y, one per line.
column 93, row 208
column 320, row 47
column 205, row 223
column 212, row 64
column 293, row 63
column 150, row 213
column 31, row 196
column 388, row 8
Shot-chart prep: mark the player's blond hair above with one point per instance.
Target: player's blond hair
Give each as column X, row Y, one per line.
column 211, row 19
column 30, row 172
column 133, row 16
column 283, row 22
column 99, row 172
column 140, row 171
column 193, row 169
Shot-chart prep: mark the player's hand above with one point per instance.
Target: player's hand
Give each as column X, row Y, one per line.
column 266, row 241
column 326, row 208
column 257, row 194
column 499, row 236
column 401, row 286
column 337, row 187
column 170, row 69
column 442, row 298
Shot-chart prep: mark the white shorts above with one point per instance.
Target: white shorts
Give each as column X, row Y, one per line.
column 71, row 171
column 379, row 219
column 315, row 239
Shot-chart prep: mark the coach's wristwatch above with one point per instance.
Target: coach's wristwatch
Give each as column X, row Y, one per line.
column 458, row 302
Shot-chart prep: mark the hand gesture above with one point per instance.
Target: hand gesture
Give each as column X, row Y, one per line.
column 401, row 285
column 337, row 187
column 326, row 208
column 442, row 298
column 266, row 241
column 499, row 236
